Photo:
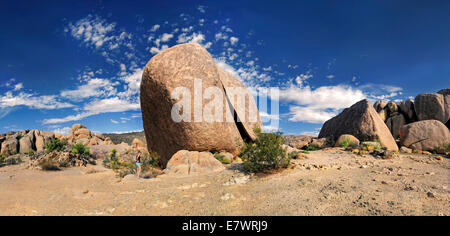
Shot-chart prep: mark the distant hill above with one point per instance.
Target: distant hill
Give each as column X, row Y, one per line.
column 126, row 137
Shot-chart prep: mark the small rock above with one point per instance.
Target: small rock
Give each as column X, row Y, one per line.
column 430, row 195
column 86, row 191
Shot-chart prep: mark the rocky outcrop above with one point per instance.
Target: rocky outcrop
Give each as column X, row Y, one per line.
column 362, row 121
column 431, row 106
column 427, row 106
column 80, row 134
column 181, row 66
column 301, row 141
column 193, row 162
column 395, row 123
column 424, row 135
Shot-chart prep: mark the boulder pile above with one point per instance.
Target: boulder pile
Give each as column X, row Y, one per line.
column 362, row 121
column 80, row 134
column 421, row 124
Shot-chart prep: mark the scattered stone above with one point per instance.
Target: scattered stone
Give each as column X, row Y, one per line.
column 430, row 195
column 300, row 142
column 404, row 149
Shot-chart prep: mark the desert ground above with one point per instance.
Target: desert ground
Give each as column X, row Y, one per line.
column 326, row 182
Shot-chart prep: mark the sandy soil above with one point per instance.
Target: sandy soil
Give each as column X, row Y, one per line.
column 330, row 182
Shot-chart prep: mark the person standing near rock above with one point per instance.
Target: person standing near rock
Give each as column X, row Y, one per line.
column 138, row 164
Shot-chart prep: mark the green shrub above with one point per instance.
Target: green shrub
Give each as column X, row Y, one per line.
column 150, row 160
column 265, row 153
column 222, row 158
column 312, row 147
column 345, row 143
column 293, row 155
column 304, row 151
column 113, row 153
column 2, row 159
column 55, row 145
column 19, row 136
column 79, row 148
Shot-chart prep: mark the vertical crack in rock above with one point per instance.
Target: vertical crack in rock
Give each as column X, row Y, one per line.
column 239, row 125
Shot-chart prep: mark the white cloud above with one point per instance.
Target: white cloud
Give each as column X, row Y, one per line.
column 49, row 102
column 166, row 37
column 18, row 86
column 63, row 131
column 97, row 107
column 330, row 76
column 233, row 40
column 335, row 97
column 201, row 9
column 310, row 115
column 155, row 28
column 92, row 30
column 94, row 88
column 114, row 121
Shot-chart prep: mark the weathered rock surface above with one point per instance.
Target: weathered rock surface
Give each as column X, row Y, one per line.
column 446, row 94
column 431, row 106
column 343, row 138
column 407, row 109
column 395, row 123
column 180, row 66
column 300, row 142
column 81, row 134
column 424, row 135
column 193, row 162
column 246, row 111
column 26, row 143
column 10, row 146
column 362, row 121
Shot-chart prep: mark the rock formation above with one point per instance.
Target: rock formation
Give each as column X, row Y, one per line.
column 362, row 121
column 80, row 134
column 181, row 66
column 431, row 106
column 426, row 106
column 426, row 135
column 193, row 162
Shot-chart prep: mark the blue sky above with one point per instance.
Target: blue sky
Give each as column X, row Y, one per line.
column 66, row 62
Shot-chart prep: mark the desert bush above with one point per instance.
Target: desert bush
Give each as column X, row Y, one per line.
column 345, row 143
column 312, row 147
column 49, row 165
column 265, row 153
column 55, row 145
column 2, row 159
column 222, row 158
column 19, row 136
column 79, row 148
column 113, row 153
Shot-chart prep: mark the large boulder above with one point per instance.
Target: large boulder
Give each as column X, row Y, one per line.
column 424, row 135
column 379, row 105
column 431, row 106
column 26, row 143
column 391, row 108
column 362, row 121
column 395, row 123
column 407, row 109
column 10, row 146
column 300, row 142
column 182, row 66
column 193, row 162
